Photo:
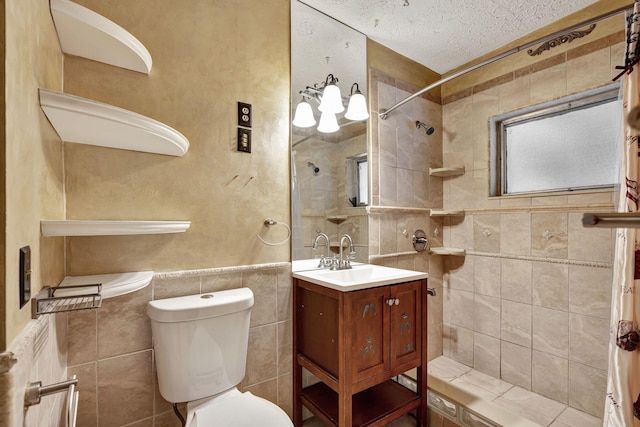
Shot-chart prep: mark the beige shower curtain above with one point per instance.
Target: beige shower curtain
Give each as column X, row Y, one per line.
column 622, row 405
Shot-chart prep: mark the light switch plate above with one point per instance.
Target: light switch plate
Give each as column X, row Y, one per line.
column 244, row 140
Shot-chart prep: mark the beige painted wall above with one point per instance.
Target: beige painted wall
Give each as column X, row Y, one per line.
column 203, row 65
column 33, row 187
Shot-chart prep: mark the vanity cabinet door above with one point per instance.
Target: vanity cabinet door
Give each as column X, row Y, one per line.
column 369, row 328
column 406, row 321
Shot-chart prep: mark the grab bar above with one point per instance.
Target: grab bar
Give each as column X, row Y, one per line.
column 612, row 220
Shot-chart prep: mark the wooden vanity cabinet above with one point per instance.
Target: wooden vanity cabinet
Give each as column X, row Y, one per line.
column 355, row 342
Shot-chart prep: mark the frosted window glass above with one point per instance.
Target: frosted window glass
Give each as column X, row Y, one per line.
column 363, row 183
column 571, row 150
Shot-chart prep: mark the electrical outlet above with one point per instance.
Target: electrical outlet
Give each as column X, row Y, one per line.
column 244, row 114
column 244, row 140
column 25, row 275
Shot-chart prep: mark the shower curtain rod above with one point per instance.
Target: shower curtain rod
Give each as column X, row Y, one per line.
column 384, row 113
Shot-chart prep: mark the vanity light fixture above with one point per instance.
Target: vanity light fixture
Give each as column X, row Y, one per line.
column 357, row 109
column 327, row 95
column 304, row 115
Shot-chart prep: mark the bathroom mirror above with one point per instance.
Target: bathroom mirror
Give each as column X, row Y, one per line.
column 329, row 170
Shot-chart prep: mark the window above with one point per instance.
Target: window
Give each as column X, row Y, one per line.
column 358, row 180
column 563, row 145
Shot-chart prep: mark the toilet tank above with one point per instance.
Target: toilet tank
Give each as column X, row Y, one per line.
column 200, row 342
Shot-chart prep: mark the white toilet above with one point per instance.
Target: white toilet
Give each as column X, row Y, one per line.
column 200, row 346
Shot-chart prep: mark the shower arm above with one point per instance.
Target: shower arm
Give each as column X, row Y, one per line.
column 384, row 113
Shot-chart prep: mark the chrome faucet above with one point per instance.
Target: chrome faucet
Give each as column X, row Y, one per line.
column 325, row 261
column 344, row 263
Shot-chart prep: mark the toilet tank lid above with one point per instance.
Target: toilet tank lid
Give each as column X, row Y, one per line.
column 200, row 306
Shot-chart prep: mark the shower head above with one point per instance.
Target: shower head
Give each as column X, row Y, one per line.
column 314, row 167
column 429, row 129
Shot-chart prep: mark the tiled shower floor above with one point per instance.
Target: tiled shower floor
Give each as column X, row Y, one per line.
column 534, row 407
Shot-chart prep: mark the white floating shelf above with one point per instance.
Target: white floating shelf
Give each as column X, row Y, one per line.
column 85, row 121
column 446, row 171
column 110, row 228
column 442, row 212
column 447, row 251
column 82, row 32
column 113, row 285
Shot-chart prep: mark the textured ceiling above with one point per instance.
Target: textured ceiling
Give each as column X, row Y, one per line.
column 444, row 34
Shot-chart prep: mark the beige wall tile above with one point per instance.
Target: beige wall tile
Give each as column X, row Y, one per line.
column 82, row 337
column 171, row 287
column 588, row 293
column 285, row 294
column 459, row 308
column 460, row 234
column 220, row 282
column 435, row 340
column 125, row 389
column 516, row 323
column 514, row 94
column 459, row 273
column 598, row 63
column 549, row 234
column 550, row 376
column 550, row 283
column 262, row 360
column 516, row 280
column 585, row 388
column 123, row 325
column 168, row 419
column 285, row 393
column 88, row 388
column 551, row 331
column 459, row 344
column 487, row 276
column 486, row 354
column 486, row 315
column 515, row 233
column 548, row 84
column 285, row 347
column 589, row 244
column 486, row 233
column 588, row 341
column 264, row 285
column 515, row 364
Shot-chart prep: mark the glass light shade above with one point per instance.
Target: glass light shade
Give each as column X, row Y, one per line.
column 331, row 100
column 328, row 123
column 357, row 109
column 304, row 115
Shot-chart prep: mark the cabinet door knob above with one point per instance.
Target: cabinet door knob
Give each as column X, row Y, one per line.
column 389, row 302
column 397, row 301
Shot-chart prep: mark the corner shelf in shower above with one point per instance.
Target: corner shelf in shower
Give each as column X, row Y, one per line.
column 448, row 251
column 84, row 121
column 83, row 32
column 444, row 172
column 337, row 219
column 51, row 228
column 445, row 212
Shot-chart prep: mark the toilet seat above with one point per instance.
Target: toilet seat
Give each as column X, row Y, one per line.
column 234, row 409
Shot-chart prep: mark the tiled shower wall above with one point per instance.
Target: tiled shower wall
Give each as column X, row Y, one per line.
column 530, row 301
column 110, row 348
column 402, row 189
column 323, row 196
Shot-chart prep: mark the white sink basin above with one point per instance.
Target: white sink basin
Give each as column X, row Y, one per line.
column 361, row 276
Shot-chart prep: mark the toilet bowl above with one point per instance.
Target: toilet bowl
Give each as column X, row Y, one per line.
column 200, row 348
column 233, row 408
